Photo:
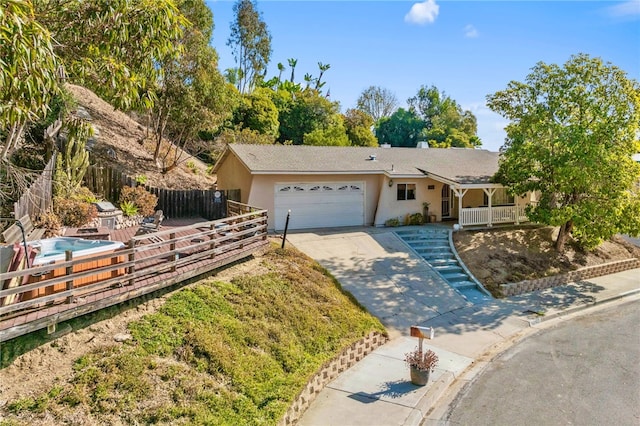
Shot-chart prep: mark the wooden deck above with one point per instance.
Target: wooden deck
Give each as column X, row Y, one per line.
column 180, row 251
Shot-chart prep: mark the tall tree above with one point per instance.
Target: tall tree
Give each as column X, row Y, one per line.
column 358, row 125
column 113, row 46
column 258, row 112
column 28, row 72
column 250, row 41
column 193, row 95
column 377, row 102
column 304, row 113
column 322, row 67
column 572, row 135
column 446, row 124
column 292, row 63
column 402, row 129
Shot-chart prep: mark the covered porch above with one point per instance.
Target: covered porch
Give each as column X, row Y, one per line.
column 487, row 205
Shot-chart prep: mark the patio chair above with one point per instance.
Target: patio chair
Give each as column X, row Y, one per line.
column 151, row 224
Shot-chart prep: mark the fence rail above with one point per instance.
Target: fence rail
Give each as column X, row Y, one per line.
column 494, row 215
column 108, row 182
column 174, row 253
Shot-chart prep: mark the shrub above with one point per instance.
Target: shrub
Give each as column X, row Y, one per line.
column 416, row 219
column 74, row 213
column 192, row 166
column 129, row 209
column 139, row 197
column 84, row 194
column 393, row 222
column 49, row 221
column 425, row 361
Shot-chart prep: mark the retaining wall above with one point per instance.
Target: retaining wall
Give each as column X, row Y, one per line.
column 513, row 289
column 347, row 359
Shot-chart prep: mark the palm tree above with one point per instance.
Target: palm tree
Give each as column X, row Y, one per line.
column 308, row 78
column 292, row 64
column 323, row 68
column 281, row 70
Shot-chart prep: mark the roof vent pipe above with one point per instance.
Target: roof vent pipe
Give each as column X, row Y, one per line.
column 372, row 157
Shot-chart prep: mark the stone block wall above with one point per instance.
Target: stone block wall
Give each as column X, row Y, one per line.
column 347, row 359
column 513, row 289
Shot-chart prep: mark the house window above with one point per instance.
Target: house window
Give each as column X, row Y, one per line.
column 406, row 191
column 500, row 198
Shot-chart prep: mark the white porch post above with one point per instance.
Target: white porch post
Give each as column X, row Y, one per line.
column 458, row 192
column 489, row 192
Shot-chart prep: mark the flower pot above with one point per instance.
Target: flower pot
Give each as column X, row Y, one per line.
column 419, row 377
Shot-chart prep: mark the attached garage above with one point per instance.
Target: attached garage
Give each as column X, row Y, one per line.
column 319, row 204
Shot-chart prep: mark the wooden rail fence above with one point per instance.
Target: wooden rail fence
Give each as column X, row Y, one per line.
column 38, row 197
column 108, row 182
column 148, row 263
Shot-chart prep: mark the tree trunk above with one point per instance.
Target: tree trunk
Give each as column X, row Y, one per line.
column 565, row 231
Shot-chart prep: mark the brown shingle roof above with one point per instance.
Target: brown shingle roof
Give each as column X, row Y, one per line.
column 458, row 165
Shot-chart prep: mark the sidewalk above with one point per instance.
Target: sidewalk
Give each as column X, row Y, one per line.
column 401, row 290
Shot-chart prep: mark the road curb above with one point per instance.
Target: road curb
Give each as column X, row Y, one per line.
column 435, row 404
column 574, row 309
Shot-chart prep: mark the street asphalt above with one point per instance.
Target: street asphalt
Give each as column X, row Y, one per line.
column 402, row 290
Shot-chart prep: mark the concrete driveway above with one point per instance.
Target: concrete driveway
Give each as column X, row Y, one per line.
column 382, row 273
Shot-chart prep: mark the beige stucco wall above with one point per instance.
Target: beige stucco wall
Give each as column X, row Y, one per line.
column 262, row 193
column 390, row 207
column 232, row 174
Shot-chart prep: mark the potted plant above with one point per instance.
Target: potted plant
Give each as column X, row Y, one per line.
column 425, row 207
column 421, row 364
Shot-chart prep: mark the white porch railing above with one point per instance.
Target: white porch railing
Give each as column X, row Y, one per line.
column 494, row 215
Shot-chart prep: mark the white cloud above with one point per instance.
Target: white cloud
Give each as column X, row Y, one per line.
column 629, row 8
column 470, row 31
column 422, row 13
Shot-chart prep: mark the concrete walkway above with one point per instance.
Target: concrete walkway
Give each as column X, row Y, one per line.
column 401, row 290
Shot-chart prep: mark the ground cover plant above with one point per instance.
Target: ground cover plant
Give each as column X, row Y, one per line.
column 218, row 352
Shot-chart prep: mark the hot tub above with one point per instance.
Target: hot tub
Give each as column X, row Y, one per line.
column 52, row 251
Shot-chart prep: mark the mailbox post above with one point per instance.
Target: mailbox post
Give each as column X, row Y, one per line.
column 422, row 333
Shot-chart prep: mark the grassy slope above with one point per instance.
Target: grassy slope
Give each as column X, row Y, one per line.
column 217, row 353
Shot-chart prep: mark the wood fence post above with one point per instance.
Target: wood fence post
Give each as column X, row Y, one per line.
column 213, row 236
column 68, row 256
column 132, row 259
column 172, row 249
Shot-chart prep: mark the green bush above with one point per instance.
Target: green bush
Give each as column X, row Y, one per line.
column 129, row 209
column 73, row 212
column 141, row 198
column 84, row 194
column 416, row 219
column 393, row 222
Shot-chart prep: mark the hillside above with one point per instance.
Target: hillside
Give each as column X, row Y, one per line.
column 232, row 349
column 119, row 134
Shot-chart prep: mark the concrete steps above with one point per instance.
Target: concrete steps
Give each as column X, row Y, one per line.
column 433, row 245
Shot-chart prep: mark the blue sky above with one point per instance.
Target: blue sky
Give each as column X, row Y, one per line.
column 468, row 49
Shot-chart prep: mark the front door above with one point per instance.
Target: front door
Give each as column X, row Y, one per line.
column 446, row 194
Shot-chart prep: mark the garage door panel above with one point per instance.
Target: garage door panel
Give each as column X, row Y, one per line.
column 318, row 205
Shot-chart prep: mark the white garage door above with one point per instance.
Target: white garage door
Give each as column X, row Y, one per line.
column 319, row 205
